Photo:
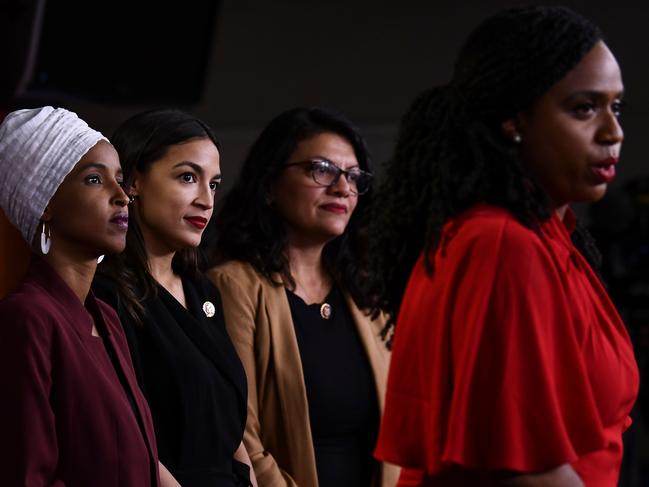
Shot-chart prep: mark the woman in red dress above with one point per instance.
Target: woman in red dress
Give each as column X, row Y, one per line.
column 510, row 364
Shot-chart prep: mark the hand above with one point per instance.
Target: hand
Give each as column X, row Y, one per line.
column 166, row 479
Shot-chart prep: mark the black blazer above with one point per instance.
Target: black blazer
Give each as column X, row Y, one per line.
column 193, row 379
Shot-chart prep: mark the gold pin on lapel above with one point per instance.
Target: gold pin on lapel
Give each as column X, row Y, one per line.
column 209, row 309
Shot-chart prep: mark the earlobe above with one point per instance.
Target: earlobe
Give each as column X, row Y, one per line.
column 512, row 130
column 132, row 188
column 509, row 128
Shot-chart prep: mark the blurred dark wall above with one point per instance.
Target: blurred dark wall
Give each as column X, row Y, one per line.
column 366, row 58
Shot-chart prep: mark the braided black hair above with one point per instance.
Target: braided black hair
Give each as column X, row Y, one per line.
column 451, row 152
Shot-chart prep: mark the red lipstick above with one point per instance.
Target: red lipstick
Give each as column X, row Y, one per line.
column 198, row 221
column 608, row 161
column 604, row 170
column 335, row 208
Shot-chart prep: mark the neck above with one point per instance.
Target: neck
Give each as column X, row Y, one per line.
column 77, row 273
column 305, row 261
column 160, row 268
column 159, row 258
column 312, row 281
column 561, row 211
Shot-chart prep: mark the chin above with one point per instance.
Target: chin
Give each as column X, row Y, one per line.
column 337, row 228
column 110, row 248
column 332, row 233
column 189, row 243
column 596, row 194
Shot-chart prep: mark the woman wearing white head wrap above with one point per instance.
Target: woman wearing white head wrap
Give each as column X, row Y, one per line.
column 72, row 413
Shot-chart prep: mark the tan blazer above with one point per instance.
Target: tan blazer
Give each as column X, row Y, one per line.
column 278, row 435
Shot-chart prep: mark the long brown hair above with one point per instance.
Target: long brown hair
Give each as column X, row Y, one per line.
column 250, row 230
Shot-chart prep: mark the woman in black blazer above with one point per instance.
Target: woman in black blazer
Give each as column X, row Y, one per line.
column 172, row 315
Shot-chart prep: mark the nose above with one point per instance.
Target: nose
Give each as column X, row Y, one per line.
column 120, row 198
column 205, row 197
column 341, row 186
column 611, row 132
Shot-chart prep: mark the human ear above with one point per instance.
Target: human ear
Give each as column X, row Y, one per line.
column 512, row 129
column 509, row 128
column 132, row 187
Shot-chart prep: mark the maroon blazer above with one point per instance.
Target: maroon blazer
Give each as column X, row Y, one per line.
column 65, row 418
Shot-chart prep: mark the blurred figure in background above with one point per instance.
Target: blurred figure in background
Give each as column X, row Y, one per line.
column 510, row 363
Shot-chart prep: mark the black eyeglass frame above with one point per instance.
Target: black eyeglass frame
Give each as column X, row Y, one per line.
column 339, row 172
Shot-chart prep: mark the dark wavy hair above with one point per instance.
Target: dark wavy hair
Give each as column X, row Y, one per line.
column 249, row 229
column 451, row 152
column 141, row 141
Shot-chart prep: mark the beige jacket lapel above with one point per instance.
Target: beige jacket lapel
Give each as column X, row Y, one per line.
column 290, row 379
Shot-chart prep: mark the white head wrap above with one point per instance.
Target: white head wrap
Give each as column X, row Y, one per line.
column 38, row 148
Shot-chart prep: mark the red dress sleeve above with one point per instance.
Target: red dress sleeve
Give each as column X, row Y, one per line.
column 486, row 369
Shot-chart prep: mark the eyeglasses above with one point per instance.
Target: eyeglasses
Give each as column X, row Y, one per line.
column 326, row 173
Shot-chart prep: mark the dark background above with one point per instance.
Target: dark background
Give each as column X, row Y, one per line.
column 238, row 63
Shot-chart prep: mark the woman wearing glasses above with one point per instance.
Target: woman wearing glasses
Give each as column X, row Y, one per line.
column 294, row 293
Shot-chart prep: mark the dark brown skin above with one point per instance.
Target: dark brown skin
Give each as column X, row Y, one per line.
column 79, row 214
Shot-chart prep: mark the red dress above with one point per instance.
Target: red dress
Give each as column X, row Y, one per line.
column 510, row 357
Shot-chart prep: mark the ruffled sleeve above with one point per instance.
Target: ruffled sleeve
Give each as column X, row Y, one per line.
column 486, row 370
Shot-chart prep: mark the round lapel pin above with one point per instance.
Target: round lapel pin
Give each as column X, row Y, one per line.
column 209, row 309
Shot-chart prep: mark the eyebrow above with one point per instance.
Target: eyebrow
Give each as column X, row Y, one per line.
column 593, row 94
column 196, row 168
column 96, row 165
